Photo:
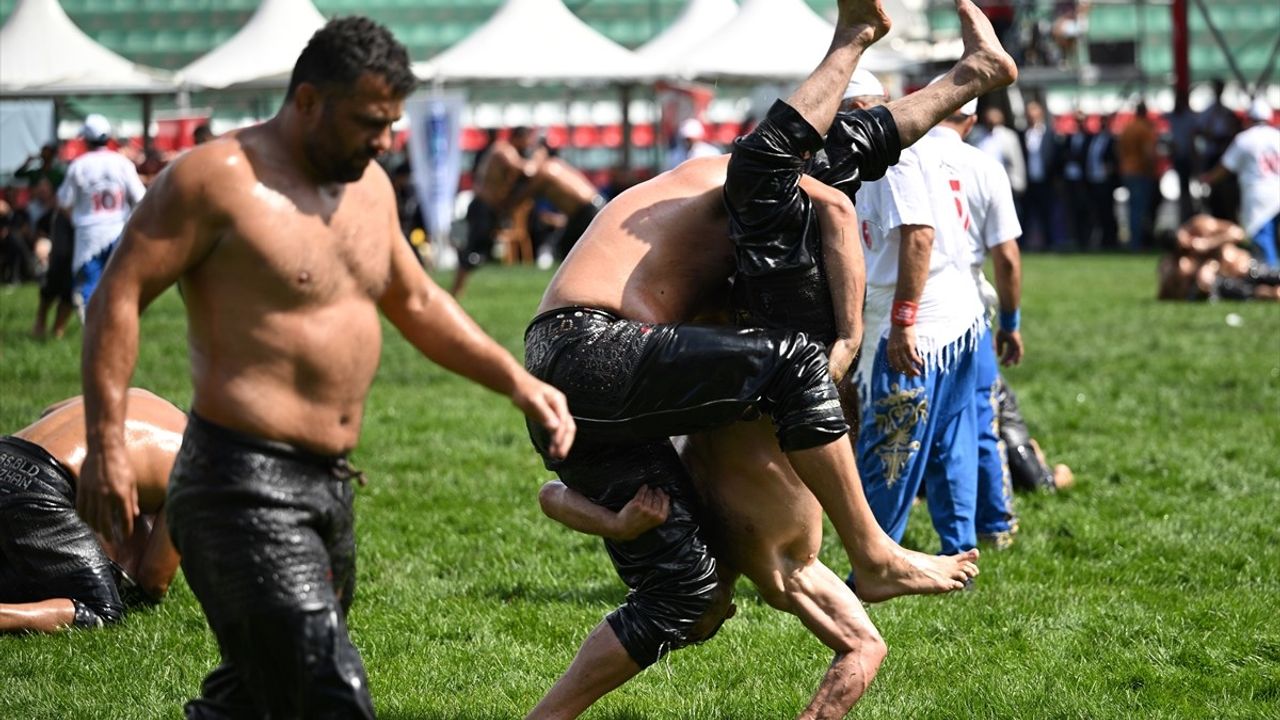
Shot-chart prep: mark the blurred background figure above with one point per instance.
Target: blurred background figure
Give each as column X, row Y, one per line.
column 101, row 188
column 1218, row 126
column 1209, row 262
column 202, row 134
column 994, row 137
column 693, row 143
column 1040, row 211
column 1101, row 173
column 1254, row 158
column 1137, row 150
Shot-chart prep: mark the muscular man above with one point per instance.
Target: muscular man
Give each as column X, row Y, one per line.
column 990, row 219
column 761, row 522
column 1254, row 157
column 917, row 375
column 608, row 332
column 285, row 242
column 503, row 166
column 570, row 192
column 1208, row 262
column 54, row 572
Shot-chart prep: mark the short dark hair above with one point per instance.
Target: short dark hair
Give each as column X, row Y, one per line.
column 346, row 48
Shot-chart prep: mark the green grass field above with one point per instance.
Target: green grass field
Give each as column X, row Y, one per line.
column 1151, row 590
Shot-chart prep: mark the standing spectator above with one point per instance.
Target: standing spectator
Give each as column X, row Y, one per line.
column 56, row 283
column 693, row 143
column 1002, row 143
column 1254, row 157
column 45, row 165
column 1182, row 149
column 1100, row 171
column 202, row 134
column 1044, row 156
column 1218, row 127
column 1137, row 150
column 1073, row 172
column 100, row 188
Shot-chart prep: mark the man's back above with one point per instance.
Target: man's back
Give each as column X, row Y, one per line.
column 659, row 252
column 99, row 187
column 497, row 173
column 564, row 185
column 986, row 190
column 1254, row 156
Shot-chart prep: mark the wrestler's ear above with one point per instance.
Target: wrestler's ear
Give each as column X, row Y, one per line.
column 308, row 99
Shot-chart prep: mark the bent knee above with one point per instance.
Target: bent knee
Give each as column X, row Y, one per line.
column 656, row 621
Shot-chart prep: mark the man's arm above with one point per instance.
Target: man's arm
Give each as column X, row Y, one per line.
column 158, row 564
column 433, row 322
column 1007, row 259
column 1000, row 233
column 167, row 234
column 845, row 268
column 914, row 249
column 647, row 510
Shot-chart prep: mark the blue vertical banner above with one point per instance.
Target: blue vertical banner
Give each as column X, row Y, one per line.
column 435, row 154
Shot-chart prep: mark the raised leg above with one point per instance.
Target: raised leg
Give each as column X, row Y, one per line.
column 983, row 67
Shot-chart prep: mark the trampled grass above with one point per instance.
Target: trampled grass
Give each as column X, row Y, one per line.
column 1149, row 591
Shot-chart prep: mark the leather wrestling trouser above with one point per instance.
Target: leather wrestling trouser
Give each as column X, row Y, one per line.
column 266, row 533
column 46, row 550
column 631, row 386
column 1025, row 469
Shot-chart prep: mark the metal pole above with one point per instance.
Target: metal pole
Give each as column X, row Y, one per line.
column 1181, row 59
column 146, row 120
column 624, row 93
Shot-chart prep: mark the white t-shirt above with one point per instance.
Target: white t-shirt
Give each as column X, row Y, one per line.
column 1255, row 157
column 101, row 187
column 920, row 190
column 988, row 215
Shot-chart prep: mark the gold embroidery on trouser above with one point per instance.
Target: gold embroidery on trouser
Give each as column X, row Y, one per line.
column 896, row 418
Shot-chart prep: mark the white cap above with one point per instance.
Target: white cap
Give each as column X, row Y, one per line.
column 96, row 128
column 863, row 83
column 692, row 129
column 1259, row 110
column 969, row 108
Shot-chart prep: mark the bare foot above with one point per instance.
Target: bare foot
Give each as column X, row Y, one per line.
column 984, row 62
column 866, row 19
column 915, row 573
column 1063, row 477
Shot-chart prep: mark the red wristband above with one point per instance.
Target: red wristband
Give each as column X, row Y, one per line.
column 904, row 313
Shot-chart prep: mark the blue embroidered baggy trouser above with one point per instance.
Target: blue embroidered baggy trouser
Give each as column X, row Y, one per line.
column 922, row 429
column 995, row 518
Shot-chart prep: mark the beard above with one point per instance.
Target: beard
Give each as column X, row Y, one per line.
column 335, row 168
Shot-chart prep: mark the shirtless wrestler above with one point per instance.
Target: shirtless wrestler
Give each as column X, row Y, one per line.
column 608, row 333
column 54, row 572
column 285, row 242
column 1209, row 262
column 504, row 166
column 570, row 192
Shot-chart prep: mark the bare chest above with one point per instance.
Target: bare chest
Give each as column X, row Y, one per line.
column 300, row 255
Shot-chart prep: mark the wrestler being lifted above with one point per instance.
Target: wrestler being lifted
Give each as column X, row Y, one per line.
column 609, row 334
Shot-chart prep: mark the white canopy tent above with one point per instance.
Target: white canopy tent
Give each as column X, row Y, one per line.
column 262, row 53
column 699, row 21
column 535, row 41
column 43, row 53
column 780, row 40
